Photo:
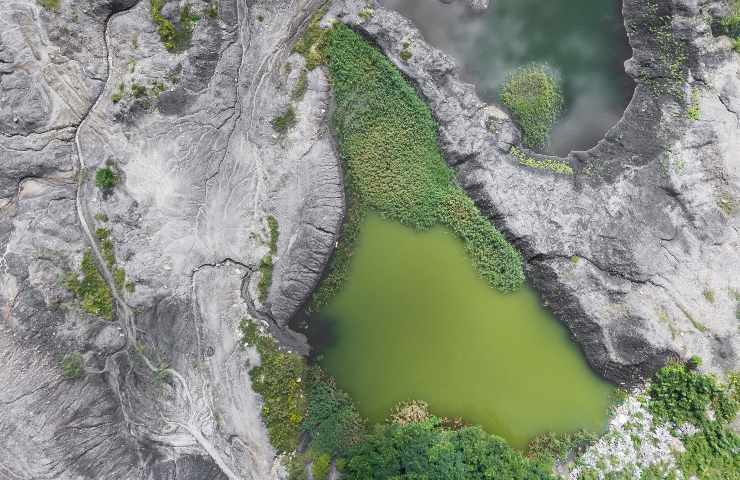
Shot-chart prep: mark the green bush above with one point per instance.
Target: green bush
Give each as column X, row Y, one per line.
column 93, row 293
column 73, row 365
column 175, row 37
column 284, row 122
column 388, row 141
column 423, row 450
column 105, row 179
column 278, row 379
column 548, row 447
column 533, row 94
column 321, row 466
column 332, row 421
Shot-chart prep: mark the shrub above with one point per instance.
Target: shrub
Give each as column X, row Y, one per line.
column 273, row 227
column 278, row 379
column 105, row 179
column 175, row 38
column 263, row 286
column 533, row 94
column 548, row 447
column 332, row 420
column 312, row 43
column 286, row 121
column 321, row 466
column 92, row 291
column 73, row 365
column 424, row 450
column 388, row 142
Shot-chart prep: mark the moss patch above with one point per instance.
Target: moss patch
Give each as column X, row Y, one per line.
column 533, row 94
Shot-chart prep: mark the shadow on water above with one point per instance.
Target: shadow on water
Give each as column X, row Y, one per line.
column 584, row 40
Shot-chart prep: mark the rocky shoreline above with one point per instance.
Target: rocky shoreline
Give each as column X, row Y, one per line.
column 625, row 251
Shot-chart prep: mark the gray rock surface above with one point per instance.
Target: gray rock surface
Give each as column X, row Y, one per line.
column 166, row 391
column 638, row 252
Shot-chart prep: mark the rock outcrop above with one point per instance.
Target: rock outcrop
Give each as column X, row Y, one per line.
column 165, row 391
column 636, row 253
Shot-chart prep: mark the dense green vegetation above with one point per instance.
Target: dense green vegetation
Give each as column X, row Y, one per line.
column 174, row 37
column 92, row 291
column 278, row 379
column 73, row 365
column 105, row 179
column 427, row 450
column 679, row 394
column 266, row 264
column 388, row 141
column 549, row 446
column 533, row 94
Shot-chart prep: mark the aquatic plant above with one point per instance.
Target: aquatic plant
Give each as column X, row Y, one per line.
column 534, row 96
column 388, row 142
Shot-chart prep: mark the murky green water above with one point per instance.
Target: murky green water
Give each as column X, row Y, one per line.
column 583, row 39
column 415, row 322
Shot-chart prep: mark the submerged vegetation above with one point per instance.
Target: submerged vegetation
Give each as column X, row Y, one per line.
column 534, row 96
column 388, row 141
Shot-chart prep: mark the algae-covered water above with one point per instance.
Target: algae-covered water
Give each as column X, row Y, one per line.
column 582, row 39
column 414, row 321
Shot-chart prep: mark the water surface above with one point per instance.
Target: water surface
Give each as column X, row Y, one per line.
column 414, row 321
column 582, row 39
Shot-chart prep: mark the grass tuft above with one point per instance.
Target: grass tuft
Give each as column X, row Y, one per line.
column 534, row 96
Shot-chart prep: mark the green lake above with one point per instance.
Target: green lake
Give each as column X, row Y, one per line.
column 584, row 40
column 414, row 321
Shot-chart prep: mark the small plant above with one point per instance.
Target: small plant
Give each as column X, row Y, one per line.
column 260, row 18
column 533, row 94
column 366, row 13
column 119, row 277
column 709, row 295
column 138, row 90
column 91, row 290
column 212, row 10
column 73, row 365
column 105, row 179
column 693, row 111
column 726, row 203
column 694, row 362
column 575, row 259
column 286, row 121
column 118, row 94
column 405, row 55
column 101, row 217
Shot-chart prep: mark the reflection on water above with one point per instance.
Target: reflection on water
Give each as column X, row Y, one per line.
column 583, row 39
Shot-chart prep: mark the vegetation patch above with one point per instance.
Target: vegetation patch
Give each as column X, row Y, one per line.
column 174, row 37
column 427, row 450
column 278, row 379
column 554, row 166
column 312, row 44
column 301, row 85
column 388, row 141
column 51, row 5
column 212, row 10
column 73, row 365
column 672, row 59
column 534, row 96
column 266, row 264
column 105, row 179
column 284, row 122
column 730, row 24
column 91, row 290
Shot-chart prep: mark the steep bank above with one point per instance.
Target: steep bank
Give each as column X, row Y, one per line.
column 635, row 252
